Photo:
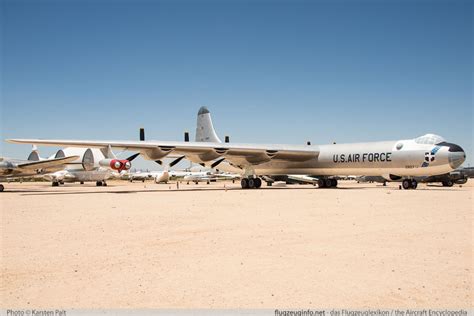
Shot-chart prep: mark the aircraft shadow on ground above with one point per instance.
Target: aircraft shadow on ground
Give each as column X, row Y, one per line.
column 201, row 189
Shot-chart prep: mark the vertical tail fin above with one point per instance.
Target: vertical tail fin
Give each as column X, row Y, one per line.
column 205, row 130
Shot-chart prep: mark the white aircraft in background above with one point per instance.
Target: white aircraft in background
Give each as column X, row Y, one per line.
column 92, row 165
column 17, row 168
column 156, row 176
column 404, row 158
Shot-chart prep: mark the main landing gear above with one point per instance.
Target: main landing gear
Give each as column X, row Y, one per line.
column 251, row 183
column 409, row 184
column 2, row 188
column 447, row 183
column 327, row 183
column 101, row 183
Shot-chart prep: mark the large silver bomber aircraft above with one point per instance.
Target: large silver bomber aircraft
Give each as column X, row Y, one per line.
column 398, row 159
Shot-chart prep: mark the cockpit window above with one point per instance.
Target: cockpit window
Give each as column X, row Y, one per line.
column 429, row 139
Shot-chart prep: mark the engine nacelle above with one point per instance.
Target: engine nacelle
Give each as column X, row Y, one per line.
column 88, row 160
column 116, row 164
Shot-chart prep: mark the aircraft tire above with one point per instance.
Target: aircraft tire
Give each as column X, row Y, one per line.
column 321, row 183
column 414, row 184
column 2, row 188
column 328, row 183
column 333, row 183
column 82, row 182
column 244, row 183
column 448, row 183
column 104, row 183
column 98, row 183
column 258, row 183
column 55, row 184
column 252, row 183
column 406, row 184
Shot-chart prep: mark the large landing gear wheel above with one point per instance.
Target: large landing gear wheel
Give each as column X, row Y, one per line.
column 448, row 183
column 321, row 183
column 406, row 184
column 409, row 184
column 327, row 183
column 98, row 183
column 2, row 188
column 251, row 183
column 104, row 183
column 55, row 184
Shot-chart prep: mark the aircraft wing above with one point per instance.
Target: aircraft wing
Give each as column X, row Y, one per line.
column 240, row 154
column 48, row 163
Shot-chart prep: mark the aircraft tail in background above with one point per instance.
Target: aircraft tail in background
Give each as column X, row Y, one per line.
column 205, row 130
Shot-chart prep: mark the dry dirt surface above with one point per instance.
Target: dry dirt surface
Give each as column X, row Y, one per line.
column 202, row 246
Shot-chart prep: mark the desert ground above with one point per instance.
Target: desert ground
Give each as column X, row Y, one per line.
column 145, row 245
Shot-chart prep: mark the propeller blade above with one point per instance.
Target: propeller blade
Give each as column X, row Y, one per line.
column 133, row 156
column 216, row 163
column 174, row 162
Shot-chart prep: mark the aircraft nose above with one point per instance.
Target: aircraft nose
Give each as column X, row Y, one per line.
column 456, row 156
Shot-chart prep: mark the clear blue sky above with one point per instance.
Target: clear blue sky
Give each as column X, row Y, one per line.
column 269, row 71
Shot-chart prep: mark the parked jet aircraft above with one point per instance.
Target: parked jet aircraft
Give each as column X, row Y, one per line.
column 407, row 158
column 17, row 168
column 92, row 165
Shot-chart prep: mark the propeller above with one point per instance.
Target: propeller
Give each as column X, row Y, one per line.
column 217, row 162
column 132, row 157
column 174, row 162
